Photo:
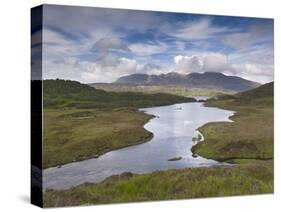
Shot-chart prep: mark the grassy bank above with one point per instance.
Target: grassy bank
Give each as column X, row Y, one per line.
column 249, row 136
column 76, row 134
column 247, row 178
column 82, row 122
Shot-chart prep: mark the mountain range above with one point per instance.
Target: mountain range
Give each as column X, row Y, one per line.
column 207, row 80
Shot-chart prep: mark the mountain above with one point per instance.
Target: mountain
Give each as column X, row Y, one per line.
column 207, row 80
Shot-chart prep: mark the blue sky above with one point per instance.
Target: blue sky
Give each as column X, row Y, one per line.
column 99, row 45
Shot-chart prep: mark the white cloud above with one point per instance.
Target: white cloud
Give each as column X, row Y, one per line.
column 72, row 61
column 89, row 71
column 145, row 49
column 53, row 37
column 257, row 54
column 151, row 68
column 61, row 58
column 58, row 47
column 84, row 21
column 251, row 71
column 188, row 64
column 211, row 62
column 95, row 72
column 195, row 30
column 215, row 62
column 239, row 40
column 255, row 63
column 108, row 59
column 72, row 38
column 256, row 34
column 106, row 44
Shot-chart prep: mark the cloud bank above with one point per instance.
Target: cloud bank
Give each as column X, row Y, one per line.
column 100, row 45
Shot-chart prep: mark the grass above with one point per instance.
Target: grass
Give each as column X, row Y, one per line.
column 152, row 89
column 61, row 94
column 249, row 136
column 76, row 134
column 247, row 178
column 247, row 142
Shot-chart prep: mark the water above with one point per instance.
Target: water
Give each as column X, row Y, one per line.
column 173, row 129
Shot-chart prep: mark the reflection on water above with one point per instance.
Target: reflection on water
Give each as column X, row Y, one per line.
column 173, row 129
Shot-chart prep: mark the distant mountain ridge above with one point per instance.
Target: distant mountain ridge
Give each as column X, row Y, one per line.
column 207, row 80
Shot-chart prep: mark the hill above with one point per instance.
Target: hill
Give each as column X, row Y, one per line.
column 207, row 80
column 263, row 91
column 258, row 96
column 72, row 94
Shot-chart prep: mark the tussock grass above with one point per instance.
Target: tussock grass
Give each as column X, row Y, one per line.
column 248, row 178
column 72, row 135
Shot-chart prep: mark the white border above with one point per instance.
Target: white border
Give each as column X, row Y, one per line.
column 15, row 106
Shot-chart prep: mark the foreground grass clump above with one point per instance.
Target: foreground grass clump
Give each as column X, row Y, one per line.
column 76, row 134
column 250, row 136
column 255, row 177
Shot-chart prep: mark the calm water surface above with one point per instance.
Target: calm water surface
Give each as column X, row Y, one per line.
column 173, row 129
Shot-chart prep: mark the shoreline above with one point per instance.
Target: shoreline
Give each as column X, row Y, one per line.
column 185, row 184
column 147, row 139
column 97, row 156
column 222, row 158
column 151, row 116
column 137, row 112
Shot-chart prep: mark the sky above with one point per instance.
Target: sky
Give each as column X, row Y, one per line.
column 100, row 45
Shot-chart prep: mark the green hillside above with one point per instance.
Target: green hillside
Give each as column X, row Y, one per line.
column 264, row 91
column 72, row 94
